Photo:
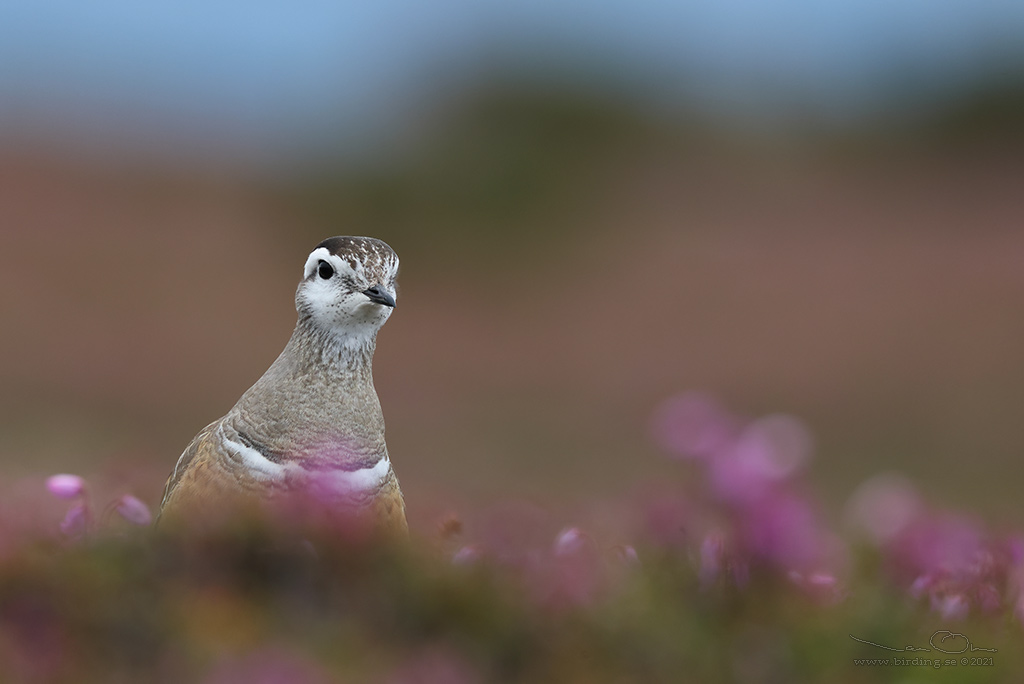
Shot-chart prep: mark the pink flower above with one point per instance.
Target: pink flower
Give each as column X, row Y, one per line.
column 737, row 481
column 941, row 544
column 570, row 541
column 626, row 555
column 764, row 455
column 1015, row 548
column 951, row 606
column 823, row 587
column 785, row 531
column 883, row 506
column 692, row 425
column 65, row 486
column 575, row 574
column 822, row 579
column 133, row 510
column 775, row 446
column 921, row 585
column 467, row 555
column 76, row 522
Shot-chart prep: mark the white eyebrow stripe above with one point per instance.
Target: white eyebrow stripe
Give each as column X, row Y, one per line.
column 322, row 254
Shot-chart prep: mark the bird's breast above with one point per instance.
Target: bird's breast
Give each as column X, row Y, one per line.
column 328, row 470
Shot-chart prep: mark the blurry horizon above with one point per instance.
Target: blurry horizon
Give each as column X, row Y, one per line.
column 269, row 84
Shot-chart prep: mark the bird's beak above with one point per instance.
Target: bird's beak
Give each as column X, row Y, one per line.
column 379, row 295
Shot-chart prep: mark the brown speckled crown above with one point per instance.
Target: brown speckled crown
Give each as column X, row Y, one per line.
column 376, row 255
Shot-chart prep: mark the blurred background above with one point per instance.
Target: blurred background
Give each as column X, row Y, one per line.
column 798, row 207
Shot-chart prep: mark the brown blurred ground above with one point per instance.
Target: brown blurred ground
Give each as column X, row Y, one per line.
column 876, row 295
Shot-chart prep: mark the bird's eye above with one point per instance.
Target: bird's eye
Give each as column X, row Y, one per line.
column 324, row 270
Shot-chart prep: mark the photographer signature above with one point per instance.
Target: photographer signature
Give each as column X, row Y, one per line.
column 943, row 635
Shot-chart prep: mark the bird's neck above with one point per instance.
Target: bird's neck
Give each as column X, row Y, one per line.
column 338, row 355
column 319, row 390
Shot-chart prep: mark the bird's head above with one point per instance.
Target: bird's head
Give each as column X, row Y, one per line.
column 348, row 287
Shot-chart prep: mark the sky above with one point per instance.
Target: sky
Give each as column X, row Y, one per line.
column 272, row 73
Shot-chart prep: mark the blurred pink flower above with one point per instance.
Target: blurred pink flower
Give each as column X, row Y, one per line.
column 775, row 446
column 621, row 563
column 569, row 541
column 1015, row 548
column 574, row 573
column 133, row 510
column 821, row 579
column 823, row 587
column 767, row 453
column 626, row 555
column 943, row 544
column 65, row 486
column 883, row 506
column 951, row 606
column 922, row 584
column 953, row 564
column 737, row 481
column 77, row 520
column 784, row 530
column 692, row 425
column 467, row 555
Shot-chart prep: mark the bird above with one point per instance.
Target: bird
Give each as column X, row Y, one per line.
column 311, row 427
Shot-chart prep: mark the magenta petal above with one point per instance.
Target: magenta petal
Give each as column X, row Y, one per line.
column 785, row 530
column 569, row 541
column 133, row 510
column 737, row 481
column 65, row 486
column 941, row 544
column 76, row 522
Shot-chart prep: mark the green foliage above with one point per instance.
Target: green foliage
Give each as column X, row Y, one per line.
column 161, row 608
